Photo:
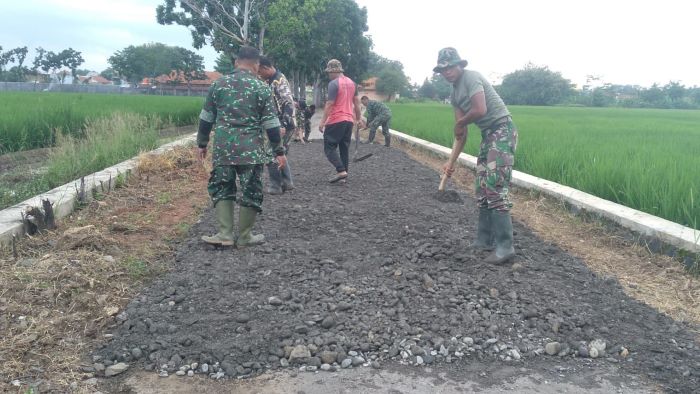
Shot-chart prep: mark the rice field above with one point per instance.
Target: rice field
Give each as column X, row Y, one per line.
column 33, row 119
column 646, row 159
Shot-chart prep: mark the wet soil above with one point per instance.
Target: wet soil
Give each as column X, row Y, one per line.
column 376, row 270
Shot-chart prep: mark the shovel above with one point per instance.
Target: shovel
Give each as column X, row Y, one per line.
column 451, row 195
column 357, row 144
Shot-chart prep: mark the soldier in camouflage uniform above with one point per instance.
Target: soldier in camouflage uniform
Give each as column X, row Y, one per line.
column 309, row 112
column 475, row 101
column 280, row 179
column 378, row 114
column 239, row 107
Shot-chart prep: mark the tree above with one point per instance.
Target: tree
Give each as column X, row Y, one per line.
column 535, row 85
column 391, row 78
column 190, row 66
column 224, row 64
column 72, row 59
column 15, row 56
column 145, row 61
column 427, row 90
column 225, row 24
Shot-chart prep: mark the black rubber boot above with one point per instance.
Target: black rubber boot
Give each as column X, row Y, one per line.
column 275, row 186
column 287, row 182
column 387, row 140
column 372, row 133
column 484, row 234
column 502, row 227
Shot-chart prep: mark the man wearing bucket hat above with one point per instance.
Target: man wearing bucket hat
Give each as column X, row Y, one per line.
column 340, row 113
column 475, row 101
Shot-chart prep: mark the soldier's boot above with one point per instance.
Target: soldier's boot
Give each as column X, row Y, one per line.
column 307, row 132
column 484, row 233
column 387, row 139
column 502, row 227
column 224, row 216
column 246, row 220
column 372, row 133
column 287, row 182
column 275, row 186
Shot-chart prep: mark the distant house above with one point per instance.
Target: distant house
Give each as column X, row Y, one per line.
column 369, row 88
column 176, row 80
column 94, row 80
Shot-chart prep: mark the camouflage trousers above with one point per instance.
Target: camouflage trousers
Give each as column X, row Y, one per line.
column 381, row 120
column 494, row 166
column 222, row 184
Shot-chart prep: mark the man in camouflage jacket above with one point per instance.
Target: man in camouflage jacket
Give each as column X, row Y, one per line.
column 280, row 181
column 476, row 101
column 239, row 107
column 378, row 114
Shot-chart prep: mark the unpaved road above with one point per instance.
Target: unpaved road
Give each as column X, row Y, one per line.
column 378, row 270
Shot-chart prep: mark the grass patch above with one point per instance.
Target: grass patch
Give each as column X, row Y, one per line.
column 31, row 120
column 646, row 159
column 105, row 142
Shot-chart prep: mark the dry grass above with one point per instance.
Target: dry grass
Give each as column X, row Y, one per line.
column 59, row 298
column 656, row 280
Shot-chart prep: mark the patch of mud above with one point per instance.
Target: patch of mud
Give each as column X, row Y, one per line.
column 377, row 271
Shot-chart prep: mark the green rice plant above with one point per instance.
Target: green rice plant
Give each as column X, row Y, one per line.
column 646, row 159
column 31, row 120
column 105, row 142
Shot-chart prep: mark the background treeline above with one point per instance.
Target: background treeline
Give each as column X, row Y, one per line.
column 538, row 85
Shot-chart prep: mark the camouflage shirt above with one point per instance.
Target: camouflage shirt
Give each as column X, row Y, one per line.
column 284, row 100
column 240, row 106
column 377, row 109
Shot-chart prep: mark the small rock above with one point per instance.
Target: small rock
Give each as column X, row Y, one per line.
column 593, row 352
column 419, row 360
column 180, row 373
column 328, row 322
column 243, row 317
column 136, row 353
column 284, row 363
column 325, row 367
column 552, row 348
column 376, row 365
column 116, row 369
column 494, row 293
column 163, row 374
column 299, row 352
column 346, row 363
column 467, row 341
column 599, row 345
column 357, row 361
column 515, row 354
column 624, row 352
column 205, row 368
column 274, row 301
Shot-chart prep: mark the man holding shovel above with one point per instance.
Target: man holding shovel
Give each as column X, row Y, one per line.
column 239, row 107
column 378, row 114
column 475, row 101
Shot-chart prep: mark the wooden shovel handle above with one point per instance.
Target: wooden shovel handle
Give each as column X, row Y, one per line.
column 456, row 151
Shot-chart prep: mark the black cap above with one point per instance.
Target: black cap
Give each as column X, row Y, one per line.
column 248, row 53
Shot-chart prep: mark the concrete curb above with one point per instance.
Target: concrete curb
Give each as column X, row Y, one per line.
column 663, row 230
column 64, row 198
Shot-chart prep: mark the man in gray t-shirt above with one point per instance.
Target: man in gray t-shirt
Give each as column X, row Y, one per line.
column 475, row 101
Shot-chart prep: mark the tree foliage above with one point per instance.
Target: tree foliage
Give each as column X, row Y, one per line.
column 135, row 63
column 535, row 85
column 435, row 88
column 14, row 56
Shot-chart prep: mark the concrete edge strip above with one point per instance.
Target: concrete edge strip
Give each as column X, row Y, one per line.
column 64, row 197
column 671, row 233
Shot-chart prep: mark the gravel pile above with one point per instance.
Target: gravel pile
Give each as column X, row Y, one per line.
column 378, row 271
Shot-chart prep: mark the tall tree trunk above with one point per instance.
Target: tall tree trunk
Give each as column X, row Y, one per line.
column 302, row 87
column 261, row 40
column 318, row 92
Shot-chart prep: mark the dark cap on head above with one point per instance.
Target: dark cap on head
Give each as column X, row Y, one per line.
column 266, row 62
column 248, row 53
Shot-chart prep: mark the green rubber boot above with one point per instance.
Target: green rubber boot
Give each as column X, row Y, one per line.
column 224, row 215
column 502, row 227
column 246, row 220
column 484, row 232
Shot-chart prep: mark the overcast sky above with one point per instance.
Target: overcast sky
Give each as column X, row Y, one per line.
column 622, row 41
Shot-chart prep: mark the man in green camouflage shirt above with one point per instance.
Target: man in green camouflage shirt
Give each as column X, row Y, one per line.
column 378, row 114
column 239, row 107
column 280, row 179
column 475, row 101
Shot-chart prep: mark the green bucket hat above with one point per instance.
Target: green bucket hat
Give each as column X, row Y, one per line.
column 448, row 57
column 334, row 66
